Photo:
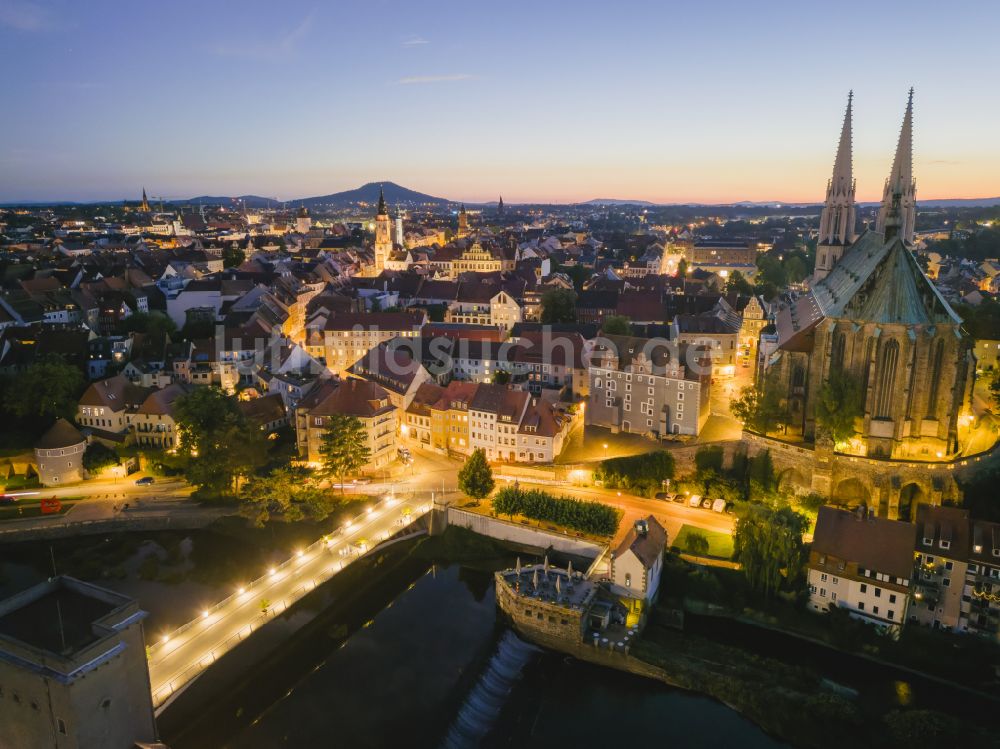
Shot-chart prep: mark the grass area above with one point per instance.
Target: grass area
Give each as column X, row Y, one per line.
column 720, row 545
column 18, row 511
column 17, row 483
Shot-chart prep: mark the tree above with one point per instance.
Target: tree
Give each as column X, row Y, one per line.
column 46, row 390
column 617, row 325
column 682, row 268
column 344, row 447
column 156, row 325
column 759, row 407
column 838, row 407
column 233, row 256
column 558, row 306
column 287, row 494
column 767, row 543
column 97, row 457
column 995, row 389
column 738, row 284
column 476, row 476
column 501, row 377
column 219, row 447
column 696, row 543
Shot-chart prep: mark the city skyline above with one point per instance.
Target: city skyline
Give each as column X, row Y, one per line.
column 533, row 103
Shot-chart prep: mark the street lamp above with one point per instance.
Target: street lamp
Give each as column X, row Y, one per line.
column 605, row 450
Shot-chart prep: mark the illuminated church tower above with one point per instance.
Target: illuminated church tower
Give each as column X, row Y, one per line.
column 144, row 207
column 383, row 234
column 463, row 222
column 900, row 193
column 839, row 216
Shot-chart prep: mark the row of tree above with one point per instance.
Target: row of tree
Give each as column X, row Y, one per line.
column 590, row 517
column 639, row 474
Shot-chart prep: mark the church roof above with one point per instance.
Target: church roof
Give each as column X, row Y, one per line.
column 875, row 281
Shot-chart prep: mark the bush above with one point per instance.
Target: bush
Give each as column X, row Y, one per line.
column 98, row 457
column 640, row 474
column 589, row 517
column 709, row 459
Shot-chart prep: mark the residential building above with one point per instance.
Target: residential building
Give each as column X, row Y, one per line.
column 154, row 420
column 108, row 405
column 862, row 563
column 367, row 401
column 940, row 565
column 636, row 565
column 347, row 337
column 641, row 386
column 981, row 593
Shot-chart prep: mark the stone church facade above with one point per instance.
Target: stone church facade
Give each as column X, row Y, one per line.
column 874, row 317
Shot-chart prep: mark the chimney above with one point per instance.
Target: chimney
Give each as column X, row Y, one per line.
column 641, row 527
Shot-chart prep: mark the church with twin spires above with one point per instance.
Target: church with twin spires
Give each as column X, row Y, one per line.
column 874, row 316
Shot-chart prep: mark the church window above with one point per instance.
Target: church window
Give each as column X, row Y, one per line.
column 798, row 376
column 932, row 392
column 886, row 377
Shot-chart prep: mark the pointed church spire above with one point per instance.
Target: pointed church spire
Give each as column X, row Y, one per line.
column 382, row 210
column 843, row 166
column 838, row 217
column 900, row 192
column 145, row 203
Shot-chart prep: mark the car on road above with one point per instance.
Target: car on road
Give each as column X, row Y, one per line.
column 362, row 481
column 144, row 481
column 6, row 499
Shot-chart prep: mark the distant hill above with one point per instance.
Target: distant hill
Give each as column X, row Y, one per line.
column 614, row 201
column 394, row 195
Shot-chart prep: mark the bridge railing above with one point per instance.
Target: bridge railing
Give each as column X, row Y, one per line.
column 164, row 690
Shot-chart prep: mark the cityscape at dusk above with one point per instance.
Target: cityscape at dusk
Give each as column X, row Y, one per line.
column 509, row 376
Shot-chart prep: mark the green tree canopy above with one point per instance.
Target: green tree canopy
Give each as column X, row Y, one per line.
column 287, row 494
column 98, row 456
column 759, row 407
column 233, row 256
column 220, row 448
column 768, row 545
column 558, row 306
column 47, row 390
column 839, row 406
column 476, row 476
column 617, row 325
column 738, row 283
column 157, row 326
column 344, row 448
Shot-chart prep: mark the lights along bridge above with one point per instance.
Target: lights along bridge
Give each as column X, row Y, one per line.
column 177, row 658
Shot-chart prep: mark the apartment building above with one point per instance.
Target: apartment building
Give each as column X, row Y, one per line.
column 347, row 337
column 367, row 401
column 108, row 405
column 941, row 562
column 981, row 592
column 643, row 387
column 862, row 563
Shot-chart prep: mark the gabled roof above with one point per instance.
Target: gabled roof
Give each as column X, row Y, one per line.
column 353, row 398
column 647, row 546
column 871, row 542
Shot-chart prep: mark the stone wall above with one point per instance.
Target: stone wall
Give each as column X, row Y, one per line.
column 520, row 534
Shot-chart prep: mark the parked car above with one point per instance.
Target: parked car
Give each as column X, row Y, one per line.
column 719, row 505
column 144, row 481
column 706, row 503
column 679, row 498
column 663, row 496
column 695, row 500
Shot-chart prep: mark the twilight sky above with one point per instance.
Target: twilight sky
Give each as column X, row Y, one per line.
column 709, row 101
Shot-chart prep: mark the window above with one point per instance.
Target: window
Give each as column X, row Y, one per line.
column 822, row 592
column 864, row 588
column 861, row 605
column 878, row 592
column 823, row 577
column 628, row 580
column 892, row 598
column 891, row 614
column 874, row 609
column 885, row 379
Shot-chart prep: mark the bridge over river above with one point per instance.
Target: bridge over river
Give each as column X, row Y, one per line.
column 179, row 657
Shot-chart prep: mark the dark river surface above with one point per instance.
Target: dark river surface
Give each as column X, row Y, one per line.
column 434, row 668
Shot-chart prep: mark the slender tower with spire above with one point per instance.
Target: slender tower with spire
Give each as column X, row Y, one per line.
column 383, row 233
column 144, row 207
column 899, row 198
column 463, row 222
column 500, row 207
column 838, row 219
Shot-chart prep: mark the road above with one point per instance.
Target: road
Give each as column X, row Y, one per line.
column 178, row 657
column 671, row 515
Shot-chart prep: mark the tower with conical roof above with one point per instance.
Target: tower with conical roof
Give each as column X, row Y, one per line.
column 839, row 216
column 144, row 207
column 899, row 197
column 383, row 233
